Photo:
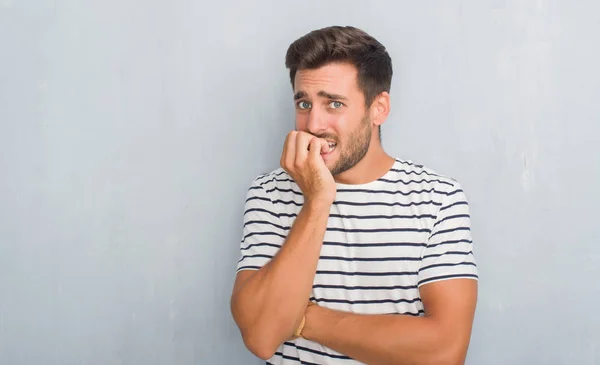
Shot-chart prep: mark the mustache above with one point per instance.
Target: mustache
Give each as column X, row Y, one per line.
column 327, row 136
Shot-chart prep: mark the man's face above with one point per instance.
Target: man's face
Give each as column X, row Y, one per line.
column 330, row 105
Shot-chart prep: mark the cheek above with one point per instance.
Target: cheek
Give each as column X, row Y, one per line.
column 338, row 126
column 301, row 121
column 335, row 122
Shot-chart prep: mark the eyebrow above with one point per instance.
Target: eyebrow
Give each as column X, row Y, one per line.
column 299, row 95
column 324, row 94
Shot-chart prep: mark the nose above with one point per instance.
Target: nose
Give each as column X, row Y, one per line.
column 316, row 122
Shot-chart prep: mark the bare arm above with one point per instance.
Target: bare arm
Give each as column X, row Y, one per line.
column 268, row 304
column 441, row 337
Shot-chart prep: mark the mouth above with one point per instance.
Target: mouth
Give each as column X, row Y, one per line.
column 332, row 146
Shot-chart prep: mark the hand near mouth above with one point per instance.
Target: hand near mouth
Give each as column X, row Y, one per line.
column 326, row 147
column 301, row 158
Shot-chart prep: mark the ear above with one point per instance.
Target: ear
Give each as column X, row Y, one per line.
column 380, row 108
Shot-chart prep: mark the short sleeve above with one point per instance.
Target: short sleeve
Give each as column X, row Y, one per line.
column 262, row 233
column 449, row 250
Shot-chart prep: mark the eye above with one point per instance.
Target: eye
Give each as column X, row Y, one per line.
column 335, row 105
column 303, row 105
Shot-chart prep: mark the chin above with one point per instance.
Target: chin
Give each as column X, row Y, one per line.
column 330, row 164
column 334, row 169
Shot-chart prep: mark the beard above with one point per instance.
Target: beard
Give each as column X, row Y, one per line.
column 354, row 149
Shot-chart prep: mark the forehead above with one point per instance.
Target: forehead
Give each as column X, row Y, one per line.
column 339, row 78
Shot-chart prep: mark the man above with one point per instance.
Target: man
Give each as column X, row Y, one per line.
column 349, row 255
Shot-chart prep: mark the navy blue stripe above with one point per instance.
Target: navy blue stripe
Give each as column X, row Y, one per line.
column 467, row 263
column 378, row 244
column 448, row 253
column 359, row 217
column 343, row 216
column 262, row 211
column 260, row 177
column 409, row 163
column 404, row 313
column 413, row 173
column 391, row 192
column 287, row 357
column 362, row 204
column 262, row 234
column 454, row 204
column 255, row 188
column 386, row 204
column 396, row 216
column 398, row 181
column 271, row 177
column 401, row 181
column 347, row 230
column 345, row 287
column 452, row 217
column 370, row 259
column 267, row 222
column 258, row 198
column 287, row 202
column 290, row 215
column 370, row 191
column 378, row 301
column 455, row 229
column 249, row 267
column 284, row 191
column 454, row 192
column 254, row 256
column 285, row 179
column 316, row 352
column 443, row 277
column 451, row 242
column 259, row 245
column 360, row 273
column 420, row 312
column 273, row 173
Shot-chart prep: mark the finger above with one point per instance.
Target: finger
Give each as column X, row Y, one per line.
column 324, row 146
column 289, row 149
column 315, row 149
column 302, row 142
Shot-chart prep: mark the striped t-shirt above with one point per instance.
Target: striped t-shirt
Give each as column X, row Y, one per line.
column 384, row 240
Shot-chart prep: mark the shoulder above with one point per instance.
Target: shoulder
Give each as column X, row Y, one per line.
column 408, row 172
column 274, row 185
column 277, row 178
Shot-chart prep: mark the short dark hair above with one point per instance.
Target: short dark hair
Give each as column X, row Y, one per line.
column 344, row 44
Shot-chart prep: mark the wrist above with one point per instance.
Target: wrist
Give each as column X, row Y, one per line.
column 317, row 205
column 298, row 332
column 311, row 322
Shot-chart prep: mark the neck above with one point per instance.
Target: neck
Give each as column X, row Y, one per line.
column 374, row 165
